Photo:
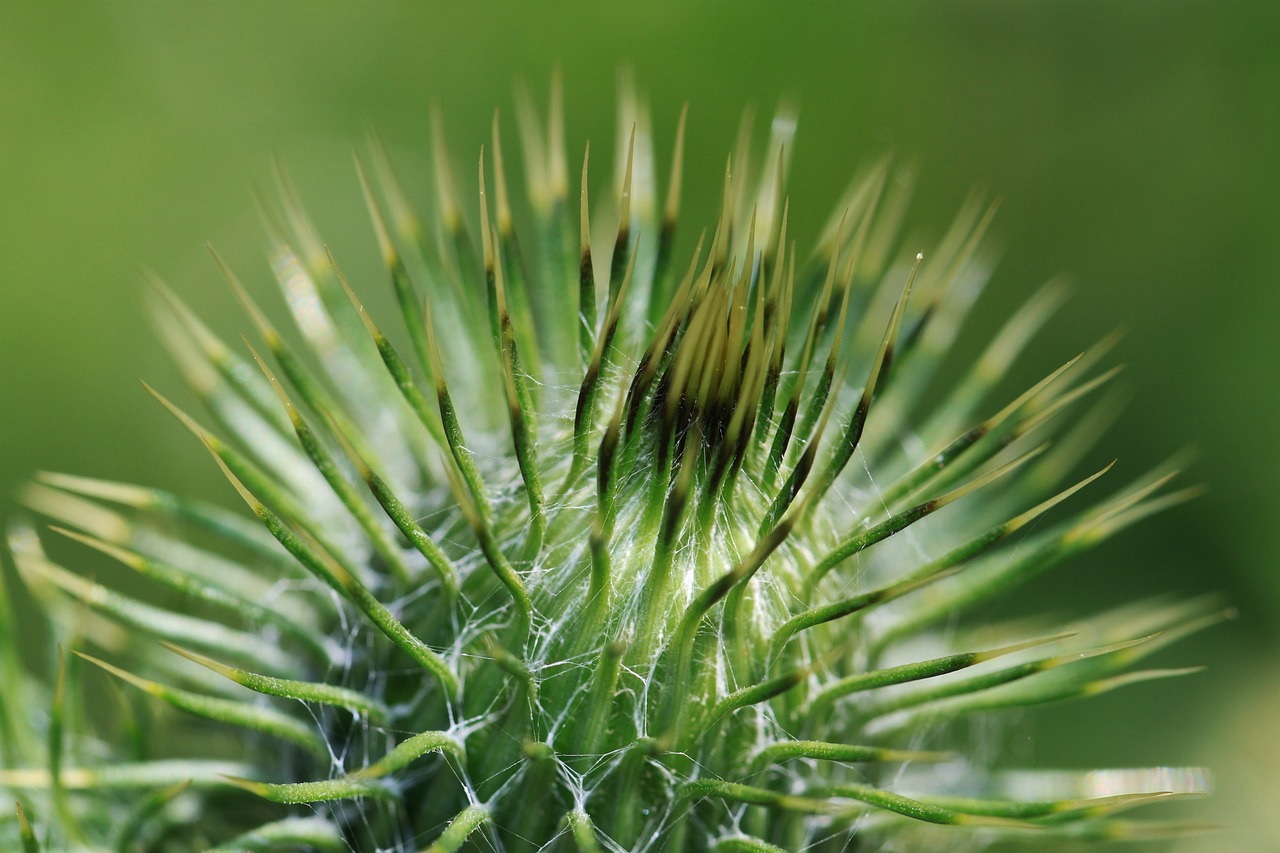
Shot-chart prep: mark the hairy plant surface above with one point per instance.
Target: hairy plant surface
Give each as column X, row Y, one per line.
column 592, row 547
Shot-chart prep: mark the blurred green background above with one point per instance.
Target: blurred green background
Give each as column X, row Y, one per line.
column 1134, row 143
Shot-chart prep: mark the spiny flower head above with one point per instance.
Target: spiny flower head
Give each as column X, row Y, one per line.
column 601, row 549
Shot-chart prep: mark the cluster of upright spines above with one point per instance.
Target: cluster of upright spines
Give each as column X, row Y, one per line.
column 644, row 553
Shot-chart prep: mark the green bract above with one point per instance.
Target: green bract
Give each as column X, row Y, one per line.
column 595, row 546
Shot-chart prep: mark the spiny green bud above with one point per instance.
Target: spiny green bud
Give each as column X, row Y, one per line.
column 588, row 544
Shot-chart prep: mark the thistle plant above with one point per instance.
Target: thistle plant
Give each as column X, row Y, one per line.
column 585, row 543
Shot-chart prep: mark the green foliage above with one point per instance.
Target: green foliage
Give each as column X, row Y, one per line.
column 609, row 552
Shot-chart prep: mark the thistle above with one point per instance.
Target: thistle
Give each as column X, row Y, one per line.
column 597, row 545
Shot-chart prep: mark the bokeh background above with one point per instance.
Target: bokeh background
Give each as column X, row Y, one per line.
column 1135, row 145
